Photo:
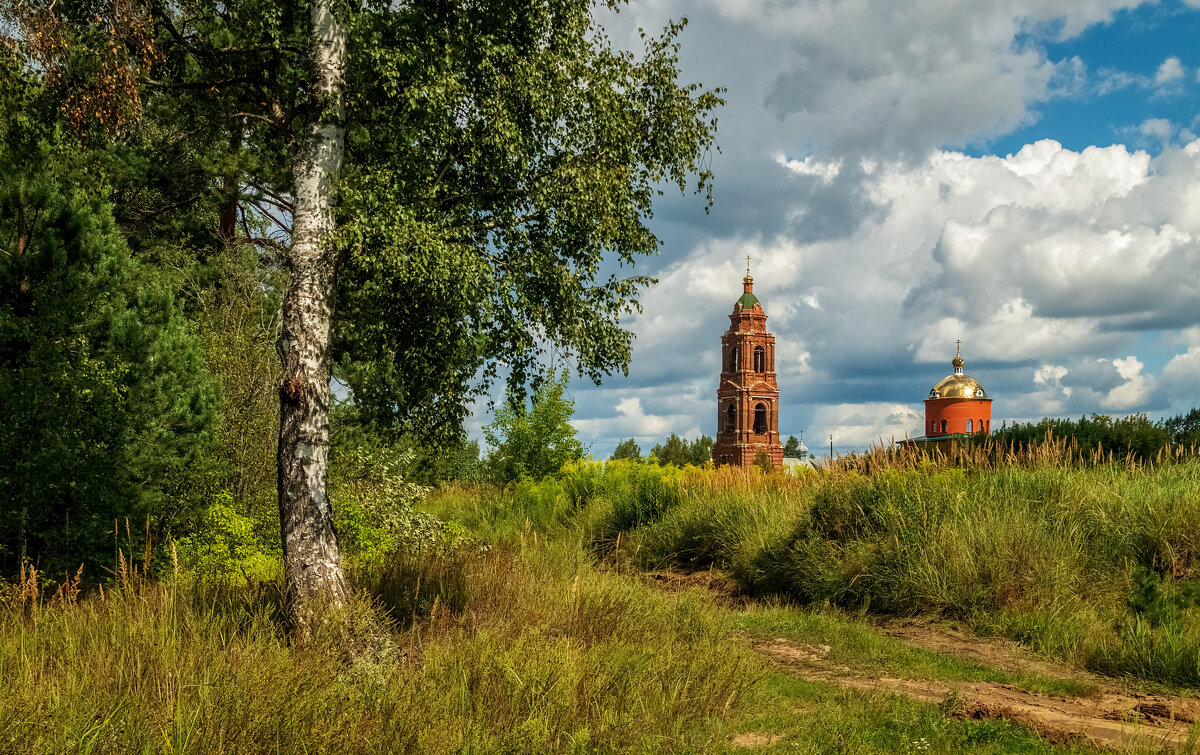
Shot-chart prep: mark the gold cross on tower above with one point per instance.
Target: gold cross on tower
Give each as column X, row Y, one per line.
column 957, row 347
column 747, row 265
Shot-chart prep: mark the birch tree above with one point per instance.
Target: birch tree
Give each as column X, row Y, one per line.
column 312, row 562
column 455, row 188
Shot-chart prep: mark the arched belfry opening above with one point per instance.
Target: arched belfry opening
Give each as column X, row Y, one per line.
column 748, row 392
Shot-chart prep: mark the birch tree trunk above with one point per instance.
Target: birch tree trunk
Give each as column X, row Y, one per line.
column 312, row 561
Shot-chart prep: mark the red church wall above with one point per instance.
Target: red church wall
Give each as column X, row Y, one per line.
column 956, row 412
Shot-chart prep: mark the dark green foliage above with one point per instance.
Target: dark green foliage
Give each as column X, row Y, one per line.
column 454, row 461
column 1162, row 604
column 1184, row 428
column 102, row 387
column 626, row 449
column 678, row 451
column 234, row 306
column 674, row 451
column 1134, row 435
column 498, row 155
column 534, row 441
column 372, row 488
column 700, row 451
column 791, row 449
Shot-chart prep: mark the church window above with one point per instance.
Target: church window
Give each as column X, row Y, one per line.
column 731, row 419
column 981, row 424
column 970, row 429
column 943, row 425
column 760, row 419
column 759, row 359
column 736, row 365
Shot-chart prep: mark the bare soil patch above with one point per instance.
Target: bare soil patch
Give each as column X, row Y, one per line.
column 1113, row 720
column 756, row 739
column 993, row 652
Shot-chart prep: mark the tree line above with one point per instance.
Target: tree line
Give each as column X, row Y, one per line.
column 679, row 451
column 1134, row 435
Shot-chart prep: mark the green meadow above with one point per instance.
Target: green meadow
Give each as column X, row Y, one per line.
column 532, row 623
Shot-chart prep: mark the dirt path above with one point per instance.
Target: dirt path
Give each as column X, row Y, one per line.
column 993, row 652
column 1114, row 720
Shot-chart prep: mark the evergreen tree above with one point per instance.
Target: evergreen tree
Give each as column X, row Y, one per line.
column 792, row 448
column 102, row 387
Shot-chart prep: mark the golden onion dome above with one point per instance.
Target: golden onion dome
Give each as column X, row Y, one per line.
column 958, row 385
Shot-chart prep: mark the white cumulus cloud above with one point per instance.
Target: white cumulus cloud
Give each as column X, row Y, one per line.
column 1170, row 70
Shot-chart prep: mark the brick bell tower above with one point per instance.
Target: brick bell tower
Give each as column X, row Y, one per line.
column 748, row 395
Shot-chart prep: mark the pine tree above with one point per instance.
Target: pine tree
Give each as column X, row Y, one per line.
column 102, row 386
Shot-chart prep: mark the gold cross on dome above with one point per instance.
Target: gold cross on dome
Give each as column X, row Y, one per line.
column 958, row 347
column 747, row 264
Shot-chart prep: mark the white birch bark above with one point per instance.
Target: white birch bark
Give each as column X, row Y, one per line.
column 312, row 561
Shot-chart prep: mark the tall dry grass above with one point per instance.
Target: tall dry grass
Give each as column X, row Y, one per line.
column 482, row 651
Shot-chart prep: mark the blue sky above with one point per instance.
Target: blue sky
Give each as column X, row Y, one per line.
column 906, row 173
column 1136, row 42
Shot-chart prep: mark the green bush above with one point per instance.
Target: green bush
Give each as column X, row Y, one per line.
column 373, row 502
column 223, row 546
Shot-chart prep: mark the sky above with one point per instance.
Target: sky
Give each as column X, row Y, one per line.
column 1022, row 175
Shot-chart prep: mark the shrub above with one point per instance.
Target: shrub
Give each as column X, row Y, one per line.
column 223, row 546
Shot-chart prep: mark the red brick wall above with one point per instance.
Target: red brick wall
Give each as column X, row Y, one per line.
column 745, row 389
column 956, row 412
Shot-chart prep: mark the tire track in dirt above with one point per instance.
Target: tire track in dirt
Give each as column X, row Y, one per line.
column 1114, row 720
column 993, row 652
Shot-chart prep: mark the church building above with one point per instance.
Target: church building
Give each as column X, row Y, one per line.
column 957, row 406
column 748, row 394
